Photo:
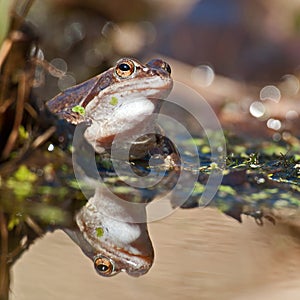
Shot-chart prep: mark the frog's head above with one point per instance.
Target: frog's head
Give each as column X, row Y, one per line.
column 120, row 100
column 114, row 244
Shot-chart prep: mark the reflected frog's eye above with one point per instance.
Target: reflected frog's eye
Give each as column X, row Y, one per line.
column 125, row 68
column 104, row 266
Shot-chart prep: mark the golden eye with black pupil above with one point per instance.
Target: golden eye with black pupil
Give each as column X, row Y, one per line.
column 125, row 68
column 103, row 265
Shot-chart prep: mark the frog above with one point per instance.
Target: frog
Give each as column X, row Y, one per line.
column 122, row 101
column 113, row 244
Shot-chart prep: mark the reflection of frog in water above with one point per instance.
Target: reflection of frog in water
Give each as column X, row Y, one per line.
column 122, row 101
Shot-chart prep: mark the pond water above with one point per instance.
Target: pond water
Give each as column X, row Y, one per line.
column 200, row 254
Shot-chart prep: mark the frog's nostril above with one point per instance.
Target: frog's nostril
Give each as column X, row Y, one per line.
column 159, row 64
column 167, row 67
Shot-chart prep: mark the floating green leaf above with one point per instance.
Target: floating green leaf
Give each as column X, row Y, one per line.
column 23, row 134
column 21, row 182
column 79, row 109
column 13, row 222
column 24, row 174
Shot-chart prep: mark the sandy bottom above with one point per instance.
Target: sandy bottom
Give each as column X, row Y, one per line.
column 200, row 254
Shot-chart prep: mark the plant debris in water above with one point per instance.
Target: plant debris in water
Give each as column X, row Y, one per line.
column 255, row 180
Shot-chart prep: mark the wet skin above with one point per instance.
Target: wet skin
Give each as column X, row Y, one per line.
column 121, row 100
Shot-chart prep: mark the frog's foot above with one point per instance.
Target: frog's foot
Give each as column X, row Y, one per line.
column 168, row 153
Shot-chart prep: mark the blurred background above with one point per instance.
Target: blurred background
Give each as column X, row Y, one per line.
column 254, row 41
column 229, row 51
column 243, row 56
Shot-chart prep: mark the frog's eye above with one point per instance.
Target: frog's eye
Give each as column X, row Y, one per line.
column 125, row 68
column 104, row 266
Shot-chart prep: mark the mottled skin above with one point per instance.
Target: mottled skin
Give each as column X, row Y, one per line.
column 121, row 101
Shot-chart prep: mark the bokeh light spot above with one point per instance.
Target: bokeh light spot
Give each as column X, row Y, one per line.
column 66, row 82
column 291, row 115
column 274, row 124
column 257, row 109
column 276, row 137
column 289, row 85
column 60, row 65
column 270, row 92
column 203, row 75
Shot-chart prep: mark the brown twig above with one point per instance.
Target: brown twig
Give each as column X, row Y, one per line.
column 26, row 8
column 48, row 67
column 34, row 226
column 22, row 8
column 4, row 50
column 43, row 137
column 8, row 42
column 5, row 105
column 4, row 269
column 22, row 95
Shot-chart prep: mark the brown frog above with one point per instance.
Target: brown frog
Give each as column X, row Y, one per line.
column 121, row 101
column 114, row 243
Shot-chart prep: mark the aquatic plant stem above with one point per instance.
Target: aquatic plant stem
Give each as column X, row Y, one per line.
column 4, row 269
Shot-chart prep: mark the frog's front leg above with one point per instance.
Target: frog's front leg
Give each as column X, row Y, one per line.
column 74, row 117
